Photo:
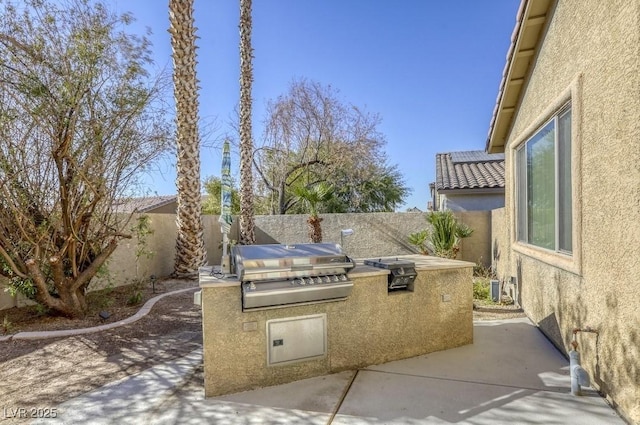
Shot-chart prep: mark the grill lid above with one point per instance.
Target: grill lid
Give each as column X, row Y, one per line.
column 276, row 261
column 402, row 272
column 389, row 263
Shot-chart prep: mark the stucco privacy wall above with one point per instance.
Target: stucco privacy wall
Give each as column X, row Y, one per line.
column 375, row 234
column 122, row 264
column 590, row 52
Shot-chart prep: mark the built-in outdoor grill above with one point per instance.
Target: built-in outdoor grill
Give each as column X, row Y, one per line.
column 278, row 275
column 402, row 272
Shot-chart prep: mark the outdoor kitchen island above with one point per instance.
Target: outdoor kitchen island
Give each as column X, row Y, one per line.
column 253, row 348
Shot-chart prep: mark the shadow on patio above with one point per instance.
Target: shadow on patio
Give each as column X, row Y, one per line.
column 511, row 374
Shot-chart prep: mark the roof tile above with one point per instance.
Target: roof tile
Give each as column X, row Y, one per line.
column 469, row 170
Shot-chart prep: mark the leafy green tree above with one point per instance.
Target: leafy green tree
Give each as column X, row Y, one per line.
column 212, row 204
column 312, row 136
column 80, row 120
column 380, row 188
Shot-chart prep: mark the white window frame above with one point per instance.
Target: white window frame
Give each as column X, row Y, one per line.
column 572, row 262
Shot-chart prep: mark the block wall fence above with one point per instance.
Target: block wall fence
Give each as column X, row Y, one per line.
column 374, row 235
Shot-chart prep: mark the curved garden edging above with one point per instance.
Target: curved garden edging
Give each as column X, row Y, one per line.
column 144, row 310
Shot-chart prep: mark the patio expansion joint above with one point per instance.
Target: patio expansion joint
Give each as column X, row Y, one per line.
column 466, row 381
column 342, row 397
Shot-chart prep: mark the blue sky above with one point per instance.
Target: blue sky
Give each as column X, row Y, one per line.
column 430, row 68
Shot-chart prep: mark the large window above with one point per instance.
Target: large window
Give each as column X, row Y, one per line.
column 543, row 166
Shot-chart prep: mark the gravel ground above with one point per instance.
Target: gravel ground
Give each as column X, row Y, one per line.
column 75, row 365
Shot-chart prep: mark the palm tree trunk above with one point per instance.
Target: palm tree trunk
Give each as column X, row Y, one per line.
column 190, row 251
column 247, row 231
column 315, row 230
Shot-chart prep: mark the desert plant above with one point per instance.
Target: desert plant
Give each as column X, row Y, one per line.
column 421, row 241
column 446, row 233
column 142, row 229
column 480, row 270
column 443, row 238
column 7, row 326
column 311, row 197
column 481, row 289
column 41, row 310
column 135, row 298
column 82, row 120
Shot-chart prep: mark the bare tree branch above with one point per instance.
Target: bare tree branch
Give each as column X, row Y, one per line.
column 80, row 119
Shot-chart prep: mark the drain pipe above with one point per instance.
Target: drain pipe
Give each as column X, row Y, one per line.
column 579, row 376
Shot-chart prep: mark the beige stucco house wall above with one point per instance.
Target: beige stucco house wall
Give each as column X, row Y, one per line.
column 588, row 53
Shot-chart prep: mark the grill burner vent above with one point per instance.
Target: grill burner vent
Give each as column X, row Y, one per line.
column 402, row 272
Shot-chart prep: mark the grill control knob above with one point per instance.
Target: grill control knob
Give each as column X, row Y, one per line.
column 343, row 277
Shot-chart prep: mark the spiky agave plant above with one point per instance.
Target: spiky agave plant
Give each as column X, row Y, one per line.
column 446, row 233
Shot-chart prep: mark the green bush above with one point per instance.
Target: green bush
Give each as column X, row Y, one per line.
column 7, row 326
column 481, row 289
column 443, row 238
column 136, row 298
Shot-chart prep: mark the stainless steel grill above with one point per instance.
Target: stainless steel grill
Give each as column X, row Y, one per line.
column 278, row 275
column 402, row 272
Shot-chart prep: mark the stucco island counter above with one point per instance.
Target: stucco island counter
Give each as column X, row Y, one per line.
column 371, row 326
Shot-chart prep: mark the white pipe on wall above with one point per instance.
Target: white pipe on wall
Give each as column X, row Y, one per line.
column 579, row 376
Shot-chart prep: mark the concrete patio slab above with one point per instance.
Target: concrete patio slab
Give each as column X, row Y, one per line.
column 167, row 394
column 511, row 352
column 388, row 398
column 320, row 394
column 510, row 374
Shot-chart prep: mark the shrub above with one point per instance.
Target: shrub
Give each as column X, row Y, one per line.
column 480, row 270
column 481, row 289
column 7, row 326
column 420, row 240
column 134, row 299
column 444, row 237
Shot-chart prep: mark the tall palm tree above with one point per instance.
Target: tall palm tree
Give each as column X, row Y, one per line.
column 247, row 225
column 312, row 197
column 190, row 251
